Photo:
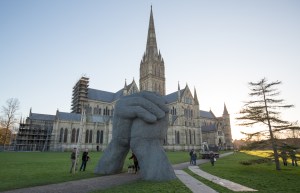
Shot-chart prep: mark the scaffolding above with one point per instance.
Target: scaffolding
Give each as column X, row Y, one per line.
column 80, row 92
column 34, row 136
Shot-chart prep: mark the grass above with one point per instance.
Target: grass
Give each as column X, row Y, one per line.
column 259, row 175
column 148, row 186
column 27, row 169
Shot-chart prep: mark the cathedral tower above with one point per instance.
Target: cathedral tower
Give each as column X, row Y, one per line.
column 152, row 68
column 227, row 128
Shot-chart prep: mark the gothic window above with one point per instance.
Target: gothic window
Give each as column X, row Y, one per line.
column 100, row 111
column 91, row 137
column 194, row 137
column 66, row 136
column 98, row 137
column 178, row 137
column 101, row 137
column 186, row 138
column 190, row 135
column 77, row 135
column 86, row 136
column 166, row 140
column 73, row 135
column 61, row 135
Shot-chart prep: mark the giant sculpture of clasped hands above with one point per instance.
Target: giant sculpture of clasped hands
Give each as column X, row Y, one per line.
column 140, row 123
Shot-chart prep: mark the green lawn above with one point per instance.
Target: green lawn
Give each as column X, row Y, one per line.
column 263, row 177
column 25, row 169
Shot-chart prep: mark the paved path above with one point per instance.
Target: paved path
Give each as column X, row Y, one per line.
column 81, row 186
column 222, row 182
column 193, row 184
column 103, row 182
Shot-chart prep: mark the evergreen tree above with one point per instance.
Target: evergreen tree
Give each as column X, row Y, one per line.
column 264, row 110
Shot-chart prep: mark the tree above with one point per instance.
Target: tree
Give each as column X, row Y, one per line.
column 8, row 118
column 264, row 110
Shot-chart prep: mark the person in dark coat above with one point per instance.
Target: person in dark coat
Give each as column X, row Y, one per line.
column 85, row 158
column 191, row 154
column 283, row 155
column 135, row 162
column 212, row 158
column 194, row 158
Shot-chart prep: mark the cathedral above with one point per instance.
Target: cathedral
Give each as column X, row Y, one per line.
column 89, row 123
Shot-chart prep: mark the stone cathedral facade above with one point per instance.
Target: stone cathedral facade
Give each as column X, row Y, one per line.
column 188, row 126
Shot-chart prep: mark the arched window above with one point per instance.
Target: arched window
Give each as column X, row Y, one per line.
column 91, row 137
column 61, row 133
column 101, row 137
column 86, row 136
column 186, row 138
column 66, row 136
column 77, row 135
column 194, row 137
column 190, row 135
column 98, row 137
column 73, row 135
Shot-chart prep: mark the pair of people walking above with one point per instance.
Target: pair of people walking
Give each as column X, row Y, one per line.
column 292, row 154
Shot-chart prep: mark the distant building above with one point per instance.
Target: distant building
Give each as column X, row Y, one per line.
column 188, row 125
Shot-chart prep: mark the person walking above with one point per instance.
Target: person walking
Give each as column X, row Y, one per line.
column 85, row 158
column 212, row 158
column 284, row 157
column 73, row 160
column 194, row 158
column 293, row 157
column 191, row 154
column 135, row 162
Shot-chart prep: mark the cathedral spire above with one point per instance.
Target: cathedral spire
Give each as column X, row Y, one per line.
column 151, row 47
column 195, row 97
column 225, row 112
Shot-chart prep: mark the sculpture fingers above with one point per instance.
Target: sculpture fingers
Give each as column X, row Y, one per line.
column 156, row 99
column 133, row 107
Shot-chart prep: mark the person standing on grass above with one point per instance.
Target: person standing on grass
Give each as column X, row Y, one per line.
column 293, row 157
column 212, row 158
column 73, row 159
column 284, row 157
column 85, row 158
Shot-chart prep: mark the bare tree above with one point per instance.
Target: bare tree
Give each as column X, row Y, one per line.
column 264, row 110
column 8, row 118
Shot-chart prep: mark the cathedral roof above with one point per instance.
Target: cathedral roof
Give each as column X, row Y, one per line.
column 44, row 117
column 104, row 96
column 68, row 116
column 77, row 117
column 172, row 97
column 207, row 114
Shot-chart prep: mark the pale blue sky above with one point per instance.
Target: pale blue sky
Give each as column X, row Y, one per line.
column 215, row 46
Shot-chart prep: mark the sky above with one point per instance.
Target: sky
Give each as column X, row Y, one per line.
column 215, row 46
